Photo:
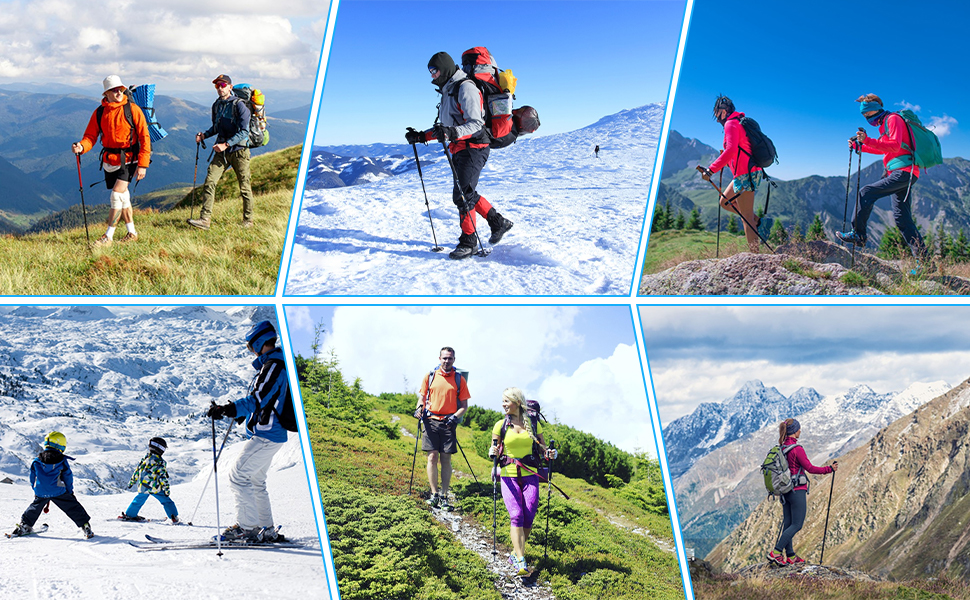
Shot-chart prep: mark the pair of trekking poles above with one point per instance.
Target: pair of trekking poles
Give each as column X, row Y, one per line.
column 737, row 210
column 454, row 174
column 414, row 459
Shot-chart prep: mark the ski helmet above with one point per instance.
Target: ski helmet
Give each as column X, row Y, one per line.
column 157, row 446
column 261, row 334
column 56, row 440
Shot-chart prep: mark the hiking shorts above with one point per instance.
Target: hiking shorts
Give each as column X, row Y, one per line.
column 439, row 437
column 748, row 181
column 125, row 173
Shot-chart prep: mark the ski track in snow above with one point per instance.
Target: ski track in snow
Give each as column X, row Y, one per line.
column 109, row 384
column 577, row 221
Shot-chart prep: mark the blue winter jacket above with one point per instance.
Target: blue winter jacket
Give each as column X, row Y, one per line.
column 268, row 387
column 50, row 474
column 230, row 123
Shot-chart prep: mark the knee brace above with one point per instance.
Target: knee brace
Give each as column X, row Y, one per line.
column 120, row 200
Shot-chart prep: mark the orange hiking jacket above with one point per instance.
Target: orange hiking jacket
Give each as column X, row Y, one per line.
column 115, row 133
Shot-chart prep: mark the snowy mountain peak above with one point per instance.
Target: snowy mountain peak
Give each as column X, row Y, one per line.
column 82, row 313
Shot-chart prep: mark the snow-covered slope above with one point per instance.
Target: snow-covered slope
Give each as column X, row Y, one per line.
column 577, row 221
column 110, row 383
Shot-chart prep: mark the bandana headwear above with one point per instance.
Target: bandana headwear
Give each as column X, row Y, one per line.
column 792, row 427
column 865, row 107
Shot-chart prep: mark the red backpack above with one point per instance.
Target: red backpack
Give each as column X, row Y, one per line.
column 502, row 124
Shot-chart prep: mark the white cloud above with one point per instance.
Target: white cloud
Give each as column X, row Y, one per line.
column 905, row 105
column 605, row 397
column 166, row 42
column 941, row 126
column 298, row 317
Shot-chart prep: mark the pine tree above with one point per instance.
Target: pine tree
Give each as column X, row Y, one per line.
column 942, row 240
column 680, row 221
column 778, row 234
column 796, row 233
column 960, row 249
column 732, row 226
column 816, row 231
column 694, row 223
column 892, row 245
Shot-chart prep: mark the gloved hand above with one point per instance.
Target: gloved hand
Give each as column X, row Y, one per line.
column 444, row 134
column 552, row 454
column 414, row 137
column 451, row 421
column 217, row 412
column 855, row 145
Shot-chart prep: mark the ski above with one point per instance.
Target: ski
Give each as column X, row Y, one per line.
column 38, row 529
column 144, row 521
column 157, row 544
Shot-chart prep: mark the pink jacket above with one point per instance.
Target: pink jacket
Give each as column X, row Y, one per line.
column 734, row 137
column 798, row 461
column 893, row 132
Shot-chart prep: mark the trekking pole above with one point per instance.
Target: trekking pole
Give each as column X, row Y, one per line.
column 494, row 502
column 737, row 210
column 858, row 196
column 84, row 210
column 545, row 545
column 414, row 460
column 466, row 458
column 826, row 530
column 215, row 471
column 209, row 478
column 464, row 201
column 417, row 161
column 195, row 177
column 848, row 186
column 720, row 180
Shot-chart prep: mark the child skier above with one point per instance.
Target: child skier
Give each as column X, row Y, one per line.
column 53, row 481
column 152, row 479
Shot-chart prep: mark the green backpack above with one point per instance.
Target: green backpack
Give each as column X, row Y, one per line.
column 926, row 150
column 778, row 479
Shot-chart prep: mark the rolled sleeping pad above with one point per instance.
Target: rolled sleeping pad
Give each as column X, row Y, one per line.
column 144, row 96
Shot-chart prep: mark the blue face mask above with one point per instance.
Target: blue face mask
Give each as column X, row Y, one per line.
column 874, row 119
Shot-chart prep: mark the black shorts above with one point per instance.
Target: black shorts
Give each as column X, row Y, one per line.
column 125, row 173
column 439, row 436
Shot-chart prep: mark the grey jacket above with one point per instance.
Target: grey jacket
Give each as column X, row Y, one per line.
column 465, row 112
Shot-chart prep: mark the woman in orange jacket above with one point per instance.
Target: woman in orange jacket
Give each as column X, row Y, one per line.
column 126, row 152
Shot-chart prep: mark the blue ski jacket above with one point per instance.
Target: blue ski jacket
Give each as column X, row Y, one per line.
column 50, row 475
column 268, row 387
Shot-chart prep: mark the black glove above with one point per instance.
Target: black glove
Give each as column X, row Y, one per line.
column 414, row 137
column 217, row 412
column 444, row 134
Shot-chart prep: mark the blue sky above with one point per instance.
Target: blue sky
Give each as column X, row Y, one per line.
column 809, row 64
column 705, row 354
column 581, row 363
column 576, row 61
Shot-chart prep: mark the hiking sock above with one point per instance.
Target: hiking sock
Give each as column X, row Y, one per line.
column 110, row 233
column 131, row 228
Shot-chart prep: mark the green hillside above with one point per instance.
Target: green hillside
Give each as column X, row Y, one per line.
column 169, row 257
column 387, row 544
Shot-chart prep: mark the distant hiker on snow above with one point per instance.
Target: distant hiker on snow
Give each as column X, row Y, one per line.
column 442, row 402
column 517, row 441
column 747, row 176
column 266, row 435
column 596, row 151
column 53, row 482
column 125, row 155
column 795, row 502
column 230, row 125
column 461, row 123
column 894, row 142
column 151, row 476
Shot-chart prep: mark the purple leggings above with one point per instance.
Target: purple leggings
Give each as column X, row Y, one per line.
column 521, row 495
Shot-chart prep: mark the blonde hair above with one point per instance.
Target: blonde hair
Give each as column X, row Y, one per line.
column 869, row 98
column 514, row 394
column 783, row 431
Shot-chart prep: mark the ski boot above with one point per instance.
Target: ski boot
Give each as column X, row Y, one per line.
column 21, row 529
column 127, row 517
column 86, row 529
column 498, row 224
column 234, row 532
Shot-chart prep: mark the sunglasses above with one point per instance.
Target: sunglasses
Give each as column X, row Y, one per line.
column 433, row 70
column 221, row 85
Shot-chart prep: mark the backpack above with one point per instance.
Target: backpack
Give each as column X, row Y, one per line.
column 458, row 381
column 144, row 97
column 282, row 407
column 533, row 411
column 502, row 124
column 763, row 151
column 926, row 149
column 777, row 472
column 256, row 102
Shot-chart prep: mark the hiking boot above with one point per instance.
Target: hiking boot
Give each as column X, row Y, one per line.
column 795, row 560
column 247, row 224
column 130, row 237
column 498, row 224
column 86, row 528
column 778, row 559
column 461, row 251
column 104, row 240
column 202, row 224
column 851, row 237
column 523, row 568
column 22, row 529
column 445, row 505
column 234, row 532
column 433, row 501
